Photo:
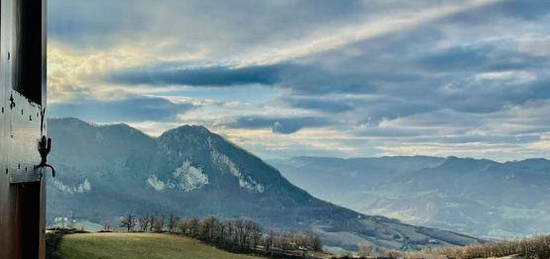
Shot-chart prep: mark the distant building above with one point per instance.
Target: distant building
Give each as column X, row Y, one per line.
column 22, row 128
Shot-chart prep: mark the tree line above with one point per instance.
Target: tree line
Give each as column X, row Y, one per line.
column 241, row 235
column 536, row 247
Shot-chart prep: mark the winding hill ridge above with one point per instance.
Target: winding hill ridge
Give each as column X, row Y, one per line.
column 474, row 196
column 106, row 171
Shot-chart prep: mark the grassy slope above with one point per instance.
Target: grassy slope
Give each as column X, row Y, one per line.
column 139, row 245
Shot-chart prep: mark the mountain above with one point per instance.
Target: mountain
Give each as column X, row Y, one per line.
column 474, row 196
column 107, row 171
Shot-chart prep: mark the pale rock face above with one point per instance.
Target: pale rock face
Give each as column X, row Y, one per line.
column 189, row 178
column 245, row 181
column 156, row 183
column 186, row 178
column 83, row 187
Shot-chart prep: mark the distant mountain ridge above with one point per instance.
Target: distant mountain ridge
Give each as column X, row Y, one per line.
column 106, row 171
column 475, row 196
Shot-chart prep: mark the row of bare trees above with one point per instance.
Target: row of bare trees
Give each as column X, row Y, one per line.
column 232, row 234
column 147, row 223
column 236, row 234
column 537, row 247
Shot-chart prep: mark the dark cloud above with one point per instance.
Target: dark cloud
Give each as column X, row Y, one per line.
column 393, row 85
column 324, row 105
column 440, row 75
column 277, row 125
column 463, row 57
column 487, row 96
column 299, row 78
column 479, row 58
column 97, row 24
column 134, row 109
column 174, row 74
column 525, row 9
column 223, row 26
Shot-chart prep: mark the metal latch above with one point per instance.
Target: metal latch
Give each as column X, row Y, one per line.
column 44, row 148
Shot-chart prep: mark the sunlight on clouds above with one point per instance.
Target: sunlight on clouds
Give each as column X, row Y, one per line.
column 265, row 142
column 78, row 73
column 543, row 144
column 325, row 41
column 379, row 119
column 511, row 76
column 154, row 128
column 75, row 72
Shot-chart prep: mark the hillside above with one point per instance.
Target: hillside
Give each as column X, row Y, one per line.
column 106, row 171
column 139, row 245
column 478, row 197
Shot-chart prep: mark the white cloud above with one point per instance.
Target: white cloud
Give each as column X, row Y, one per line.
column 509, row 77
column 537, row 45
column 379, row 26
column 173, row 33
column 76, row 73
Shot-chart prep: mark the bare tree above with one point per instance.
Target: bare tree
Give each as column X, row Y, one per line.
column 128, row 222
column 107, row 227
column 268, row 241
column 182, row 226
column 222, row 233
column 231, row 234
column 285, row 241
column 172, row 223
column 255, row 232
column 151, row 220
column 316, row 243
column 208, row 229
column 365, row 250
column 144, row 222
column 240, row 233
column 194, row 227
column 158, row 224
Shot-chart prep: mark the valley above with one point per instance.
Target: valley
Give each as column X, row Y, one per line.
column 482, row 198
column 107, row 171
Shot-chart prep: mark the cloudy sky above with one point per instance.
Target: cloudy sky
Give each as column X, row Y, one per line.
column 283, row 78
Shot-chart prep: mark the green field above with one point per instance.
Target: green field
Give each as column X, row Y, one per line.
column 139, row 245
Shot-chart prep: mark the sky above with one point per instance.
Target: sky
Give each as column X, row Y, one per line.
column 284, row 78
